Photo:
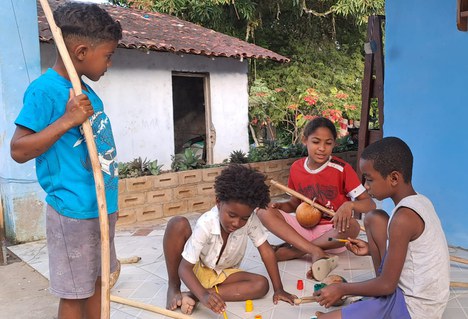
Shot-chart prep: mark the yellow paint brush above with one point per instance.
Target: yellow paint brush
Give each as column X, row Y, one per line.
column 338, row 240
column 224, row 312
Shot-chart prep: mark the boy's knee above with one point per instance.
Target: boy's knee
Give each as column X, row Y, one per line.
column 376, row 216
column 178, row 224
column 261, row 212
column 353, row 230
column 265, row 213
column 262, row 286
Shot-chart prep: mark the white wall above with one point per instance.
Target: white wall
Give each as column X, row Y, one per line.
column 137, row 94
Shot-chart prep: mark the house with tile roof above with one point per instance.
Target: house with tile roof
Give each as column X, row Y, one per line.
column 171, row 82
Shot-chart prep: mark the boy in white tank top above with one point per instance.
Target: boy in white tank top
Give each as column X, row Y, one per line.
column 408, row 248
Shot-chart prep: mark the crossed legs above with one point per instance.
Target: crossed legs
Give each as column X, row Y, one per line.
column 274, row 221
column 237, row 287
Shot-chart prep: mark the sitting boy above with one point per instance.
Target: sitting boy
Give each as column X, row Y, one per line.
column 208, row 257
column 408, row 249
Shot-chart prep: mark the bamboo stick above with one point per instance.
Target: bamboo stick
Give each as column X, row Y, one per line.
column 130, row 260
column 140, row 305
column 306, row 299
column 459, row 260
column 292, row 192
column 96, row 165
column 457, row 284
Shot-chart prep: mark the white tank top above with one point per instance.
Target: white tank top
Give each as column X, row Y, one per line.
column 425, row 277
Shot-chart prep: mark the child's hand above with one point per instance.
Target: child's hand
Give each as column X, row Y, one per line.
column 343, row 216
column 358, row 247
column 329, row 295
column 213, row 301
column 78, row 109
column 280, row 294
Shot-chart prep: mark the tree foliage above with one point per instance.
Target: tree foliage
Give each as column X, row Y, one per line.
column 323, row 39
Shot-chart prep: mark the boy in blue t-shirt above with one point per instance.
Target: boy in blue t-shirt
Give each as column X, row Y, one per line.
column 48, row 129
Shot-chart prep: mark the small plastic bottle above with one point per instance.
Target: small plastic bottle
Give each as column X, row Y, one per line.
column 248, row 306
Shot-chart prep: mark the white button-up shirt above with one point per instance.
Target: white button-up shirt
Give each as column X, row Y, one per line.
column 206, row 242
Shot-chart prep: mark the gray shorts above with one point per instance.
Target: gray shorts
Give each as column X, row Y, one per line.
column 74, row 247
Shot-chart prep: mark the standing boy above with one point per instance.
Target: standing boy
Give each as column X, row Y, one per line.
column 48, row 130
column 207, row 258
column 408, row 249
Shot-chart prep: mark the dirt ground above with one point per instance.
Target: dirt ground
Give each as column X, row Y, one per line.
column 23, row 291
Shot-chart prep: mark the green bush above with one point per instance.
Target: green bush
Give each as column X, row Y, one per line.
column 138, row 167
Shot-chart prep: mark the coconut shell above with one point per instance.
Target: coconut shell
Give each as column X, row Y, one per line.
column 307, row 215
column 333, row 279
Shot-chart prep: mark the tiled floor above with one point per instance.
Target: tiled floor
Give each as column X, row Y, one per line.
column 146, row 281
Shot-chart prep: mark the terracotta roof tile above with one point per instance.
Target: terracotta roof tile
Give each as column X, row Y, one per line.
column 161, row 32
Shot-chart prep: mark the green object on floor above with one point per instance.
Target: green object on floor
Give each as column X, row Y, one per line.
column 319, row 286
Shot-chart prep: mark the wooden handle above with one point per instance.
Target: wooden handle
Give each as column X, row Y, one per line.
column 140, row 305
column 130, row 260
column 96, row 165
column 459, row 260
column 457, row 284
column 292, row 192
column 307, row 299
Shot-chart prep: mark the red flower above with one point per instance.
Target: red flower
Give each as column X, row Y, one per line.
column 293, row 107
column 341, row 95
column 310, row 100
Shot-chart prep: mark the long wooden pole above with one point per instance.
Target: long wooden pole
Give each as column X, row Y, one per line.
column 292, row 192
column 96, row 165
column 140, row 305
column 459, row 260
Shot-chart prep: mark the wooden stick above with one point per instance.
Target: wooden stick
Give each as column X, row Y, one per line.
column 459, row 260
column 130, row 260
column 140, row 305
column 292, row 192
column 306, row 299
column 457, row 284
column 96, row 165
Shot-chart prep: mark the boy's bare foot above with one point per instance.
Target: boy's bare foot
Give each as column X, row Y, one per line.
column 173, row 299
column 188, row 303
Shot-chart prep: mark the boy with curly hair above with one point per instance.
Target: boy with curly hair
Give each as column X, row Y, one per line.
column 207, row 257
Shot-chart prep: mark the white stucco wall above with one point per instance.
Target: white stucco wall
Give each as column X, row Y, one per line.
column 137, row 94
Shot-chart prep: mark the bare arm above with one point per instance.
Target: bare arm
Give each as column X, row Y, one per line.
column 405, row 226
column 362, row 204
column 271, row 265
column 27, row 144
column 288, row 206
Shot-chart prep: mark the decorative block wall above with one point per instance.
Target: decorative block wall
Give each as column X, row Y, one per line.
column 153, row 197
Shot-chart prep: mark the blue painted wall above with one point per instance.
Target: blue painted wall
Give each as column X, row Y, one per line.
column 426, row 103
column 21, row 195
